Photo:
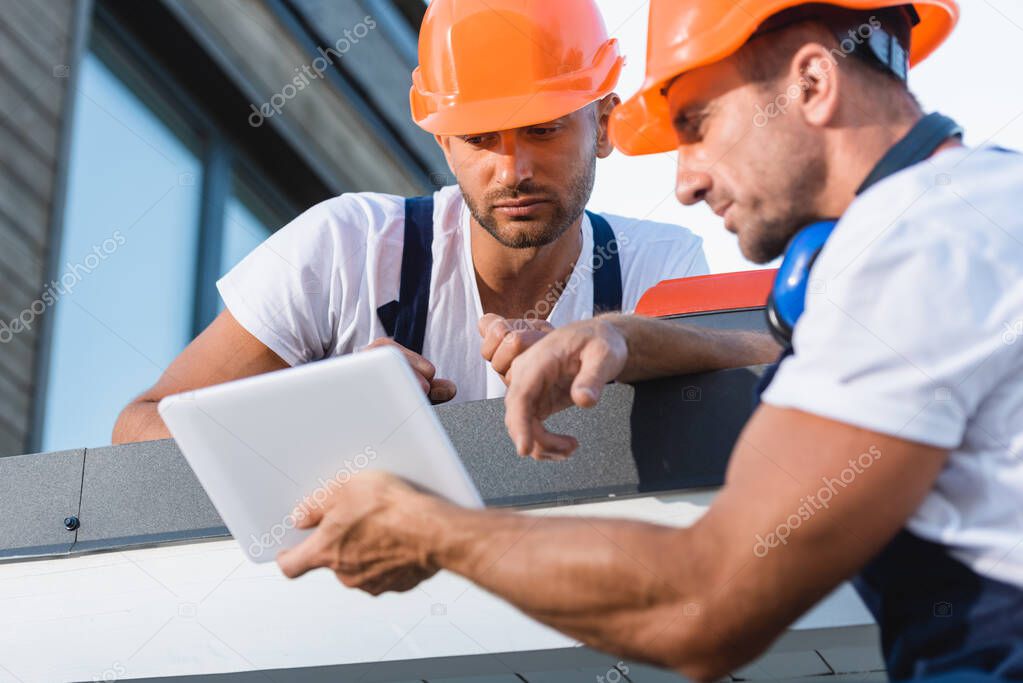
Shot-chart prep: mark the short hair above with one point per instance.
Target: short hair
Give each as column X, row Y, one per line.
column 766, row 60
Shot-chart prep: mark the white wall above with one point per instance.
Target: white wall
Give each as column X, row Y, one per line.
column 976, row 78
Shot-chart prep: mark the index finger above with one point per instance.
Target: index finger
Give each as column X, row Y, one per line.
column 312, row 553
column 521, row 402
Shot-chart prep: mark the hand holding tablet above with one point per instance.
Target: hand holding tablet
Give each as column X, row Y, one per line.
column 262, row 445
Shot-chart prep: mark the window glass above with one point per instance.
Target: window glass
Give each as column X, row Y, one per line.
column 124, row 292
column 248, row 221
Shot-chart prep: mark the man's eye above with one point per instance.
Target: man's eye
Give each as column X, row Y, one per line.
column 543, row 132
column 689, row 128
column 476, row 140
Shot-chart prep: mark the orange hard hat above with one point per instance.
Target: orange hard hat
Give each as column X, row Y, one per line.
column 687, row 34
column 488, row 65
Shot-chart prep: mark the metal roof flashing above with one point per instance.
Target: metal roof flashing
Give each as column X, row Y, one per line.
column 145, row 494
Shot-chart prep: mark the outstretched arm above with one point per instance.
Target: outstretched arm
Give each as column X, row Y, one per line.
column 224, row 351
column 667, row 348
column 807, row 502
column 572, row 365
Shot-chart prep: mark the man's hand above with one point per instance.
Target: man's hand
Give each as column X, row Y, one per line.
column 570, row 365
column 504, row 340
column 439, row 390
column 370, row 533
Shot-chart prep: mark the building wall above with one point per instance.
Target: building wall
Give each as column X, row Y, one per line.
column 35, row 44
column 344, row 140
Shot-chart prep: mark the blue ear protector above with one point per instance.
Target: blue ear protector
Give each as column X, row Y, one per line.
column 788, row 295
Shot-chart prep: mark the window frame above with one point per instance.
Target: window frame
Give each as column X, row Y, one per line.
column 222, row 155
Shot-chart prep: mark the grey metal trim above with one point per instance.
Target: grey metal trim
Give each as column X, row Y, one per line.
column 561, row 659
column 832, row 645
column 37, row 492
column 413, row 173
column 397, row 29
column 753, row 319
column 294, row 22
column 216, row 186
column 286, row 131
column 145, row 494
column 79, row 42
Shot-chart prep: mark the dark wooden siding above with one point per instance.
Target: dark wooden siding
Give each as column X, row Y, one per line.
column 35, row 39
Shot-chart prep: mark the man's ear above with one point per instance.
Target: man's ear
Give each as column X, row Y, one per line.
column 444, row 142
column 603, row 113
column 820, row 80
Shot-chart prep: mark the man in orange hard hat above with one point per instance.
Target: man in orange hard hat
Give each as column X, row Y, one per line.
column 518, row 95
column 888, row 444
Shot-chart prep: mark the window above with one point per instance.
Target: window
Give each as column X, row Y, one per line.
column 124, row 289
column 249, row 219
column 160, row 203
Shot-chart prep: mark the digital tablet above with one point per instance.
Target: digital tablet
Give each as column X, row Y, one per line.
column 260, row 445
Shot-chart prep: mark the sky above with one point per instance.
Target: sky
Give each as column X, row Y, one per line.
column 976, row 78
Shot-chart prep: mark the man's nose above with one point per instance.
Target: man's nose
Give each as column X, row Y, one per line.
column 691, row 182
column 514, row 163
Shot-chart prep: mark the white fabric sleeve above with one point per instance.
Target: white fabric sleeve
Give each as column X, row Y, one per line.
column 905, row 337
column 294, row 291
column 652, row 253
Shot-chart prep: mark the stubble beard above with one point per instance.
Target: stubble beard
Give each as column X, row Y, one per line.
column 579, row 188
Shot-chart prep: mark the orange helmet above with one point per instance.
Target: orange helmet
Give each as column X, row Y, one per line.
column 687, row 34
column 488, row 65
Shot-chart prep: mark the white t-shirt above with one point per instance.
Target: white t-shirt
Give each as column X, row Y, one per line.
column 914, row 328
column 312, row 290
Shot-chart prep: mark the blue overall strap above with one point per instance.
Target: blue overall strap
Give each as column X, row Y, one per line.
column 405, row 319
column 940, row 617
column 607, row 268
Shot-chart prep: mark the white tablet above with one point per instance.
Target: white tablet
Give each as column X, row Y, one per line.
column 262, row 444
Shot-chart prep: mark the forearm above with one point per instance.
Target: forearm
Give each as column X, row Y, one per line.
column 615, row 585
column 140, row 421
column 659, row 348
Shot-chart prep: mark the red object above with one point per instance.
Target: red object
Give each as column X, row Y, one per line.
column 708, row 294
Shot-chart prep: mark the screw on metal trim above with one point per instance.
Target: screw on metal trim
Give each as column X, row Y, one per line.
column 71, row 523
